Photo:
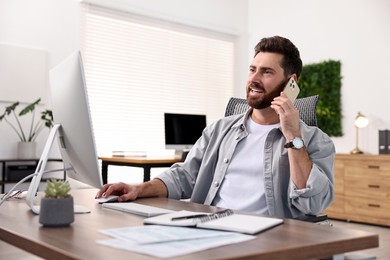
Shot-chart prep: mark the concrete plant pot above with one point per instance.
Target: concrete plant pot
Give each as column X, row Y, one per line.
column 56, row 212
column 27, row 150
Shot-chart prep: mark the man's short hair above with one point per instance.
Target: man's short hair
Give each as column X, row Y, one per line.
column 292, row 62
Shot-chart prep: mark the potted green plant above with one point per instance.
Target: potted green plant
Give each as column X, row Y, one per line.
column 57, row 205
column 26, row 144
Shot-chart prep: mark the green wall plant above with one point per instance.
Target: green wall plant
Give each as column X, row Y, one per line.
column 324, row 79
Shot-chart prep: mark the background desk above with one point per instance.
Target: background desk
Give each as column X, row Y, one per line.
column 292, row 240
column 144, row 162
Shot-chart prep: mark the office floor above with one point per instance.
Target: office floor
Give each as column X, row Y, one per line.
column 382, row 253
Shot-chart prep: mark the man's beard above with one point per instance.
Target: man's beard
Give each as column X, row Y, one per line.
column 266, row 100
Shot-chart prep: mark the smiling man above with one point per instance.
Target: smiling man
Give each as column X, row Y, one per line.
column 248, row 162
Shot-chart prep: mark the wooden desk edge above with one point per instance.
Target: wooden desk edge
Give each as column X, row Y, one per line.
column 42, row 250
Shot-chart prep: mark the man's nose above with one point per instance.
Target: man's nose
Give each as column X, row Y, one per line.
column 255, row 77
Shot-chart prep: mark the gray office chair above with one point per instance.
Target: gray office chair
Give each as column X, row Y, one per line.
column 307, row 112
column 306, row 107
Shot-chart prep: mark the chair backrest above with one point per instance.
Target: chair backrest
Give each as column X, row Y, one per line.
column 306, row 107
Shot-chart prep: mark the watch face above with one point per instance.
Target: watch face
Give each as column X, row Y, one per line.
column 297, row 143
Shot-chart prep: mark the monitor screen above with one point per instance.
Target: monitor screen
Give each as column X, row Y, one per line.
column 71, row 111
column 183, row 130
column 73, row 128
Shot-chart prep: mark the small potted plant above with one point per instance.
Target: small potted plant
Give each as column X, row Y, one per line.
column 27, row 139
column 57, row 205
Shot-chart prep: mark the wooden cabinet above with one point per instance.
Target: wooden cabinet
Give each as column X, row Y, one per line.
column 362, row 189
column 13, row 170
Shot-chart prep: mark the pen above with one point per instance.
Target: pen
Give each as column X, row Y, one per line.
column 189, row 217
column 215, row 215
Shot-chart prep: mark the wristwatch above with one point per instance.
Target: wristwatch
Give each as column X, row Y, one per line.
column 296, row 143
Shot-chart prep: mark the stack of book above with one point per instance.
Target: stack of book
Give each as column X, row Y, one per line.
column 129, row 154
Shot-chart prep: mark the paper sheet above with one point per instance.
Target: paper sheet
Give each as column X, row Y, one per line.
column 166, row 242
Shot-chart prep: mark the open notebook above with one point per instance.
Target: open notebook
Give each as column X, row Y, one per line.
column 225, row 220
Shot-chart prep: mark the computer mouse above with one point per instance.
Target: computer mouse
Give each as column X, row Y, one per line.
column 110, row 198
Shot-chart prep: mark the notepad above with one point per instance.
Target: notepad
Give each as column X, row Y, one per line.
column 248, row 224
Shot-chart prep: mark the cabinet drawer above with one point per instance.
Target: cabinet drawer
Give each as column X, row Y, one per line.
column 367, row 168
column 369, row 187
column 358, row 206
column 18, row 172
column 339, row 177
column 337, row 206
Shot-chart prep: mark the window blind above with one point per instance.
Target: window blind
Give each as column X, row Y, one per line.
column 137, row 68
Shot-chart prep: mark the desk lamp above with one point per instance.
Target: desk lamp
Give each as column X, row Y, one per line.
column 360, row 122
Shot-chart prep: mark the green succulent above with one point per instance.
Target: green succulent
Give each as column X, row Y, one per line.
column 57, row 188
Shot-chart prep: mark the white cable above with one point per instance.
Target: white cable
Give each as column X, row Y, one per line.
column 7, row 195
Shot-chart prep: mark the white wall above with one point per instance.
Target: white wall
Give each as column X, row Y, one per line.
column 356, row 32
column 49, row 25
column 353, row 31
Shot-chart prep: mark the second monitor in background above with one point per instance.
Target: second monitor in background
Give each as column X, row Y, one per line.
column 182, row 131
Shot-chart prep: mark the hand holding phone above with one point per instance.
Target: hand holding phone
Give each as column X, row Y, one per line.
column 291, row 89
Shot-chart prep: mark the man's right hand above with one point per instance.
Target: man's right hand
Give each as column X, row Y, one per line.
column 125, row 192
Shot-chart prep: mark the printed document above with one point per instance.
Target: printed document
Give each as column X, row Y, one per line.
column 168, row 241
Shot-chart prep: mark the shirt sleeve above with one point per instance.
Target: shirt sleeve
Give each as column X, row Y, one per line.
column 319, row 191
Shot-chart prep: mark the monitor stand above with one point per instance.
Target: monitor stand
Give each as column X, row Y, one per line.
column 178, row 152
column 181, row 153
column 39, row 171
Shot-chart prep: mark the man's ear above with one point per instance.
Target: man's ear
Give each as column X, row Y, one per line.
column 293, row 75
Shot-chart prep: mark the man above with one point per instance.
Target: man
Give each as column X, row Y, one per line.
column 248, row 162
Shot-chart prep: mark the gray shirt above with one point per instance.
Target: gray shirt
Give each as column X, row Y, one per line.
column 203, row 171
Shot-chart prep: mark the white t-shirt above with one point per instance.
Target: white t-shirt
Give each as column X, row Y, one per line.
column 243, row 185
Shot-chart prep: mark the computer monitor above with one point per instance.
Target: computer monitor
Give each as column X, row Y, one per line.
column 73, row 127
column 182, row 130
